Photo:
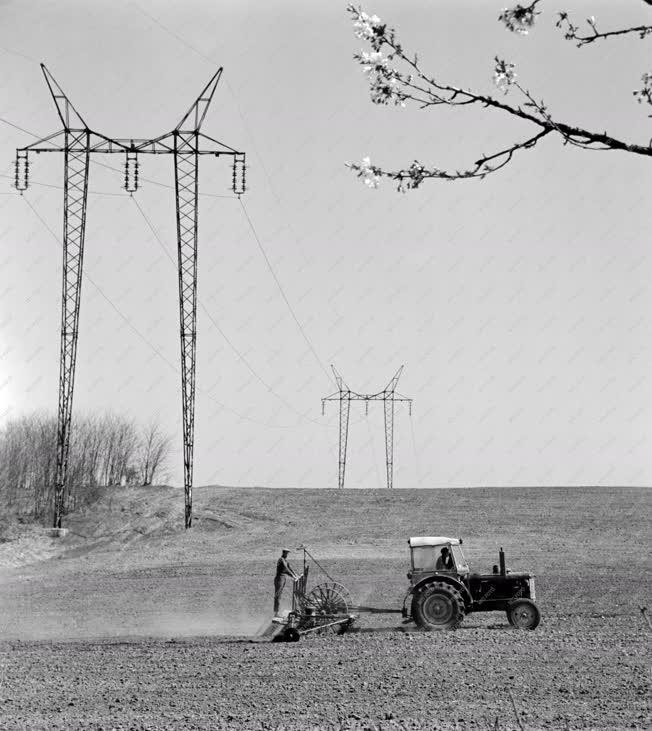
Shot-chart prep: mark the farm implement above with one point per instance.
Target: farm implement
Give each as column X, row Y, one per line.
column 324, row 608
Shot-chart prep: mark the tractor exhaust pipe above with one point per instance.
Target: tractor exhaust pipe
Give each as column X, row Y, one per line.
column 501, row 560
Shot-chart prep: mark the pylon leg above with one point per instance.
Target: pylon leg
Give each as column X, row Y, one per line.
column 389, row 440
column 186, row 169
column 75, row 192
column 345, row 405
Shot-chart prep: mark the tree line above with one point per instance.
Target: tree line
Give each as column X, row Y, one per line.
column 104, row 450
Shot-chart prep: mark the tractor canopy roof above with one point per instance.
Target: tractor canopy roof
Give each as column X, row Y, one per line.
column 432, row 541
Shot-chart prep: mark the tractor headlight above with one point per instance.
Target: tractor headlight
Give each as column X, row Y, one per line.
column 533, row 593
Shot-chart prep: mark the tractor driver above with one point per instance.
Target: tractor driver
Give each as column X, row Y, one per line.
column 444, row 561
column 283, row 569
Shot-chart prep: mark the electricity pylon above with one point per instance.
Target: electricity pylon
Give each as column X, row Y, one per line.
column 78, row 142
column 388, row 396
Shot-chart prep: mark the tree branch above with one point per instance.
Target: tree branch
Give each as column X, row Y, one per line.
column 391, row 85
column 571, row 31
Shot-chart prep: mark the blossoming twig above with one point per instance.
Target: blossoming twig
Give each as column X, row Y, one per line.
column 571, row 32
column 390, row 85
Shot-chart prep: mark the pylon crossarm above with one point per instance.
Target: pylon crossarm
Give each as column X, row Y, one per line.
column 223, row 149
column 333, row 397
column 41, row 146
column 104, row 144
column 368, row 396
column 362, row 397
column 154, row 146
column 163, row 145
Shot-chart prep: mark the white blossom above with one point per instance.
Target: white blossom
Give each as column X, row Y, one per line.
column 369, row 173
column 366, row 26
column 384, row 81
column 374, row 61
column 504, row 74
column 518, row 19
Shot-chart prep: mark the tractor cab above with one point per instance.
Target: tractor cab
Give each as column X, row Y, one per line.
column 436, row 554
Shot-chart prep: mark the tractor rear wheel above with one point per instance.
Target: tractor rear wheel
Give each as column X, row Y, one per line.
column 523, row 614
column 438, row 606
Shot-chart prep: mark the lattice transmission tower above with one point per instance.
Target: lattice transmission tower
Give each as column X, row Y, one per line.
column 78, row 142
column 388, row 396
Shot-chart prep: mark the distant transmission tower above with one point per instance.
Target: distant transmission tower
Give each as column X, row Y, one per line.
column 388, row 396
column 78, row 142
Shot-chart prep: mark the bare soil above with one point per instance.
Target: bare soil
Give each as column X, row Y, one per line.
column 132, row 622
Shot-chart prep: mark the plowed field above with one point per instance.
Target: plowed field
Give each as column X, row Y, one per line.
column 131, row 622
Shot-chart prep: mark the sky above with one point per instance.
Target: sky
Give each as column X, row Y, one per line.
column 519, row 305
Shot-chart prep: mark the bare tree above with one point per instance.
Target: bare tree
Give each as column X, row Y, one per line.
column 396, row 77
column 27, row 461
column 13, row 466
column 155, row 448
column 44, row 456
column 103, row 450
column 126, row 445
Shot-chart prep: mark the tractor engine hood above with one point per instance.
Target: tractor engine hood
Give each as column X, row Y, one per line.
column 508, row 575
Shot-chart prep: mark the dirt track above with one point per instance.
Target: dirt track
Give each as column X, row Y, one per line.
column 584, row 667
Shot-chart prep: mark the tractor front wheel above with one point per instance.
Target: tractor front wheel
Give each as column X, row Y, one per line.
column 508, row 612
column 523, row 614
column 438, row 606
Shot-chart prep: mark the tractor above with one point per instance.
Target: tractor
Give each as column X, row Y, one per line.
column 443, row 589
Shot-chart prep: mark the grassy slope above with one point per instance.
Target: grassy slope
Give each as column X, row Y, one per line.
column 129, row 566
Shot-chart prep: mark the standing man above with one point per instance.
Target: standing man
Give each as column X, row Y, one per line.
column 283, row 569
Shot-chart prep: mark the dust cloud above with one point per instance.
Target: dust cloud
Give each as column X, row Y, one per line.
column 53, row 617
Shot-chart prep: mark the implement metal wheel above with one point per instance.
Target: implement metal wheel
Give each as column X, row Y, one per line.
column 323, row 604
column 343, row 591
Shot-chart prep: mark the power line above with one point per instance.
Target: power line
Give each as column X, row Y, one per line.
column 281, row 290
column 212, row 62
column 416, row 454
column 227, row 340
column 15, row 126
column 148, row 342
column 242, row 358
